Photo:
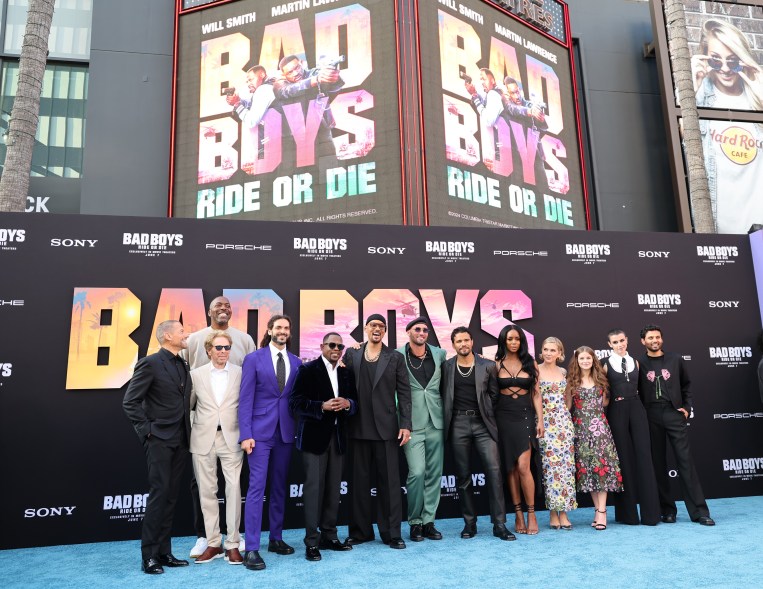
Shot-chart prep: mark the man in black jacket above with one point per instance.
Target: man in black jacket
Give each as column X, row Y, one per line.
column 322, row 399
column 377, row 431
column 663, row 384
column 157, row 402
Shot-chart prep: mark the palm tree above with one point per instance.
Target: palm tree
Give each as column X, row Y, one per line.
column 680, row 63
column 22, row 126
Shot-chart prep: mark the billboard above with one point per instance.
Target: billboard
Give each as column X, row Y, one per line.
column 501, row 125
column 724, row 43
column 287, row 111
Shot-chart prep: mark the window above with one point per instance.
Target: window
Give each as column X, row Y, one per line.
column 59, row 142
column 69, row 34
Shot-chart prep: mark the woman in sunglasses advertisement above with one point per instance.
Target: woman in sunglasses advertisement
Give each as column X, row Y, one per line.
column 726, row 76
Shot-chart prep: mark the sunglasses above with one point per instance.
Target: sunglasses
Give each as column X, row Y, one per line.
column 420, row 329
column 334, row 346
column 732, row 63
column 377, row 326
column 221, row 348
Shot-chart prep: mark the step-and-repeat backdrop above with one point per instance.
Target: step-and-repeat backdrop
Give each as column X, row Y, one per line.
column 81, row 296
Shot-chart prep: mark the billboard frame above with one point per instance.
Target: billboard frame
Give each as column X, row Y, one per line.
column 672, row 111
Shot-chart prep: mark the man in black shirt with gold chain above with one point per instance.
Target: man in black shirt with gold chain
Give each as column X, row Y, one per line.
column 469, row 387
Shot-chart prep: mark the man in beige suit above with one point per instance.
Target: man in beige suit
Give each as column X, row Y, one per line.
column 214, row 434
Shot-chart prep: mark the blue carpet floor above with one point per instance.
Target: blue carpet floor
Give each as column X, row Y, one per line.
column 681, row 555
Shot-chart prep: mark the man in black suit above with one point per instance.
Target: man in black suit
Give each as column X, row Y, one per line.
column 321, row 400
column 157, row 402
column 469, row 389
column 663, row 384
column 379, row 372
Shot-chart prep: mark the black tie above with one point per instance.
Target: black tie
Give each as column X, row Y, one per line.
column 625, row 370
column 281, row 372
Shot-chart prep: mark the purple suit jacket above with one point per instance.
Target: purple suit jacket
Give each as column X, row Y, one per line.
column 261, row 406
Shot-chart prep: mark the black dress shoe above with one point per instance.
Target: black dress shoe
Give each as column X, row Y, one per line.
column 280, row 547
column 431, row 533
column 469, row 531
column 668, row 518
column 170, row 561
column 152, row 566
column 417, row 533
column 350, row 541
column 312, row 553
column 253, row 561
column 500, row 531
column 335, row 545
column 397, row 543
column 705, row 520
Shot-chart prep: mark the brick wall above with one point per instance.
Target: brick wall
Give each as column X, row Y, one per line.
column 747, row 18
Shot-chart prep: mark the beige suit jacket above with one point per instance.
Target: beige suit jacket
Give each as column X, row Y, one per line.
column 208, row 413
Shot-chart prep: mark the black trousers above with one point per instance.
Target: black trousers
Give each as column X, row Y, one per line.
column 166, row 460
column 323, row 476
column 665, row 422
column 465, row 432
column 630, row 430
column 383, row 456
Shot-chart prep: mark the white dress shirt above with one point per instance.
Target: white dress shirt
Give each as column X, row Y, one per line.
column 219, row 379
column 274, row 351
column 616, row 362
column 333, row 375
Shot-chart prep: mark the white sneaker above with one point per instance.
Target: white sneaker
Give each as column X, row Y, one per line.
column 199, row 548
column 242, row 545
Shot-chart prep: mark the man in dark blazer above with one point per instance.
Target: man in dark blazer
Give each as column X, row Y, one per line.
column 157, row 402
column 663, row 384
column 267, row 435
column 322, row 399
column 469, row 389
column 380, row 373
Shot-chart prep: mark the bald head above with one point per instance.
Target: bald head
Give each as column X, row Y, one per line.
column 220, row 313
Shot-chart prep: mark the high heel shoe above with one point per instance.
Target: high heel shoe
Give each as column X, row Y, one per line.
column 599, row 527
column 531, row 511
column 554, row 526
column 518, row 510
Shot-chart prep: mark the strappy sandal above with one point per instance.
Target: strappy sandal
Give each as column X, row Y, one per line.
column 531, row 511
column 517, row 529
column 599, row 527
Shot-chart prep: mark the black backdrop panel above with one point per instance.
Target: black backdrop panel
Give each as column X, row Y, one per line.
column 80, row 297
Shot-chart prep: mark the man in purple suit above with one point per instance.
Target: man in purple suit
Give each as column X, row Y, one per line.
column 267, row 435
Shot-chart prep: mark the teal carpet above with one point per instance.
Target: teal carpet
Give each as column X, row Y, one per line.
column 681, row 555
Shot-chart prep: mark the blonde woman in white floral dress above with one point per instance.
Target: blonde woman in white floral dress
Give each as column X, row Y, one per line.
column 557, row 444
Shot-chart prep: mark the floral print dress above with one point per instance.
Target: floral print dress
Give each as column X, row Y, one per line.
column 596, row 463
column 557, row 449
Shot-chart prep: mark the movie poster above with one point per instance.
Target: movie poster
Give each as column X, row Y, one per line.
column 501, row 126
column 288, row 111
column 725, row 44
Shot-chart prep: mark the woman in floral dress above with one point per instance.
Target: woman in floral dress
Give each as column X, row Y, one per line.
column 596, row 463
column 556, row 446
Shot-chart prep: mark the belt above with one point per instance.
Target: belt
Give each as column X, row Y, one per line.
column 626, row 398
column 469, row 412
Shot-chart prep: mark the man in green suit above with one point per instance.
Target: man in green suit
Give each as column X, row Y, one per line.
column 424, row 453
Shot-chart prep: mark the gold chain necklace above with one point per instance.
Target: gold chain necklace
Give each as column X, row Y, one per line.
column 422, row 358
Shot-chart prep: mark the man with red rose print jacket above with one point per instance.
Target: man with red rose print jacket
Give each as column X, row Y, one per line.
column 663, row 384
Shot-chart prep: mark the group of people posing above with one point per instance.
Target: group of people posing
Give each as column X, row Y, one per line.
column 597, row 428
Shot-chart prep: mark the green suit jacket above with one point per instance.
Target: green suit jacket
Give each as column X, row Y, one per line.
column 426, row 402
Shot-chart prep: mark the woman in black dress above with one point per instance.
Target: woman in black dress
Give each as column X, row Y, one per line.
column 515, row 413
